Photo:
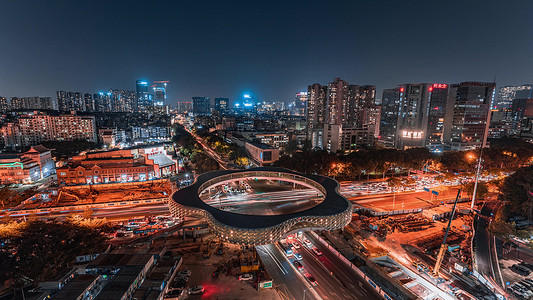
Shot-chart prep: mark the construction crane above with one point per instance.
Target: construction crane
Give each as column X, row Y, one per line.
column 443, row 247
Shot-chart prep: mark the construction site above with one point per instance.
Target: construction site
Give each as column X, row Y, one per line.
column 412, row 253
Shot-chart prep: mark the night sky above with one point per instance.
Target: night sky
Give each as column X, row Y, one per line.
column 269, row 49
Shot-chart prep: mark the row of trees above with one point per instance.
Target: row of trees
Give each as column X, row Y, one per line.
column 189, row 147
column 232, row 151
column 357, row 165
column 34, row 251
column 502, row 156
column 66, row 149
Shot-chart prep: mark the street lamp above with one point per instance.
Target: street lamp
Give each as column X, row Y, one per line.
column 477, row 179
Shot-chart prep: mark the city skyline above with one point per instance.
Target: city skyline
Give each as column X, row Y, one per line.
column 234, row 58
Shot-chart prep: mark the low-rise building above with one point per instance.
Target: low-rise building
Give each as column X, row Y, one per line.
column 262, row 154
column 28, row 167
column 276, row 140
column 120, row 165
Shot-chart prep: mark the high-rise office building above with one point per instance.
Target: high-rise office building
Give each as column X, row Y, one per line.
column 201, row 106
column 506, row 94
column 421, row 114
column 160, row 92
column 32, row 103
column 222, row 105
column 467, row 119
column 300, row 104
column 144, row 99
column 413, row 116
column 390, row 104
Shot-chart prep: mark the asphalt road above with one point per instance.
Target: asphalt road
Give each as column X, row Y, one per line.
column 110, row 213
column 403, row 200
column 289, row 282
column 271, row 203
column 335, row 279
column 354, row 286
column 486, row 257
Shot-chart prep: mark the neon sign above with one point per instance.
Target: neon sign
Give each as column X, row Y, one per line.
column 440, row 85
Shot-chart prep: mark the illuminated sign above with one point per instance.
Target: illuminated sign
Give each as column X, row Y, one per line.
column 440, row 85
column 402, row 89
column 247, row 96
column 412, row 134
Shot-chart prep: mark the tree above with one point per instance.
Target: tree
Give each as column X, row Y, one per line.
column 501, row 229
column 36, row 250
column 204, row 163
column 517, row 191
column 291, row 147
column 481, row 191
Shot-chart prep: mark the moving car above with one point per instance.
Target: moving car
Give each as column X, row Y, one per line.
column 185, row 273
column 196, row 290
column 298, row 265
column 298, row 256
column 245, row 277
column 317, row 252
column 311, row 279
column 296, row 245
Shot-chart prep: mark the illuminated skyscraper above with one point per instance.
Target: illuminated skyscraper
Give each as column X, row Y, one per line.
column 160, row 92
column 467, row 118
column 144, row 99
column 222, row 105
column 506, row 94
column 421, row 112
column 300, row 104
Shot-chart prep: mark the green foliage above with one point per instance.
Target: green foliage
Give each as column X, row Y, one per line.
column 11, row 198
column 42, row 248
column 185, row 141
column 501, row 229
column 291, row 147
column 481, row 191
column 517, row 191
column 204, row 163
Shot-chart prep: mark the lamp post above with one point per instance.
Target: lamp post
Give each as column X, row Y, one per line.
column 477, row 179
column 306, row 291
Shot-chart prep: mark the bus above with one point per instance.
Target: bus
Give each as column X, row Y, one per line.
column 286, row 248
